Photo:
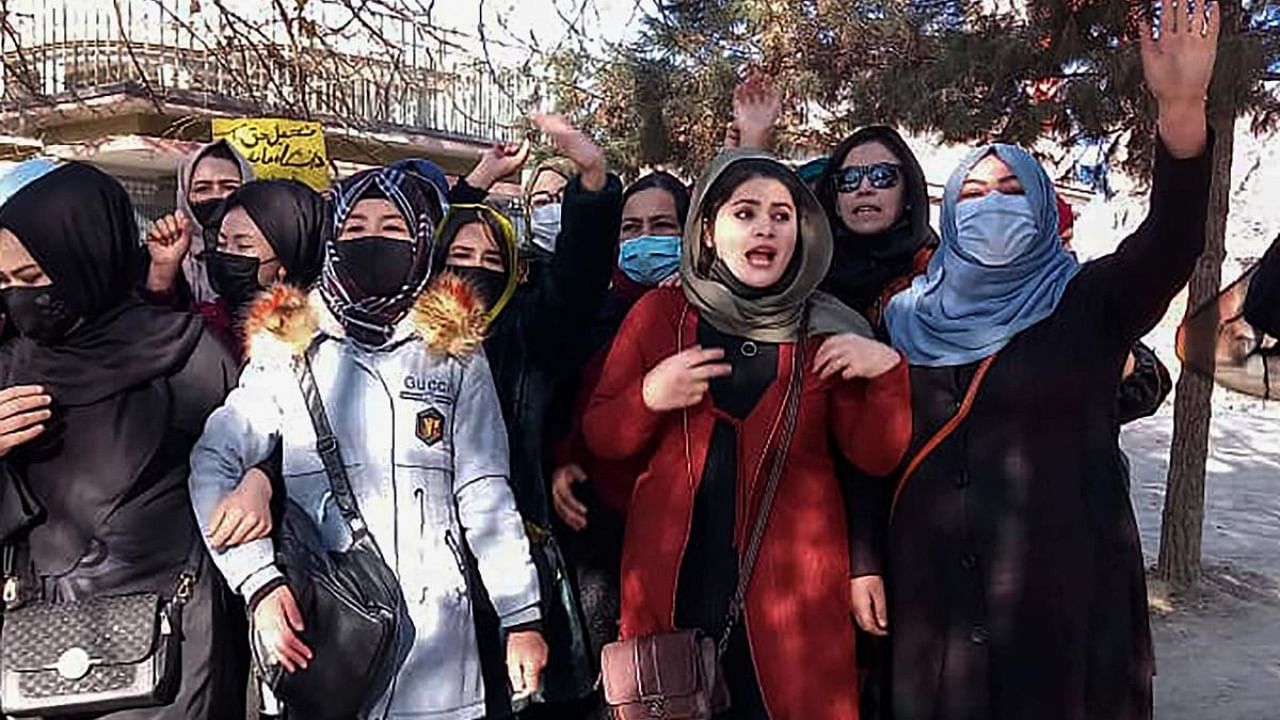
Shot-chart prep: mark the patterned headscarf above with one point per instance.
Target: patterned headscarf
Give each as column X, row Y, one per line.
column 372, row 320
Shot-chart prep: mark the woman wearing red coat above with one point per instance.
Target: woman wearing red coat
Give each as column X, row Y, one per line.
column 696, row 384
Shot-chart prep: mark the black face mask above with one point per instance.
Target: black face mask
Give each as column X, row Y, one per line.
column 234, row 277
column 38, row 313
column 489, row 284
column 208, row 213
column 379, row 266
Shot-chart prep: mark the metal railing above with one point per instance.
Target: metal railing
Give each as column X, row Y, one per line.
column 395, row 75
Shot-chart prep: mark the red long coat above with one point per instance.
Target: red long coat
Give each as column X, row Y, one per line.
column 797, row 610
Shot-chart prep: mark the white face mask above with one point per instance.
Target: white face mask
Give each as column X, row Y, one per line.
column 996, row 229
column 545, row 226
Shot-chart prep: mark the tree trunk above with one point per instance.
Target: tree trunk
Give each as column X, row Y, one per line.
column 1183, row 523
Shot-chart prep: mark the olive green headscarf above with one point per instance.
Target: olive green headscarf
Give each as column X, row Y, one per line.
column 776, row 316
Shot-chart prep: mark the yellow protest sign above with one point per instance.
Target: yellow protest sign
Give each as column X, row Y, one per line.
column 279, row 148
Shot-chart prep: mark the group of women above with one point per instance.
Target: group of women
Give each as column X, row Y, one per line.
column 571, row 438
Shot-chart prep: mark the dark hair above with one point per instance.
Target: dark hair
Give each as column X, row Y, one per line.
column 729, row 181
column 459, row 218
column 886, row 136
column 667, row 182
column 222, row 151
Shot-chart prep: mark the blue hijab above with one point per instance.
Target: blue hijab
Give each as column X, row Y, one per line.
column 970, row 305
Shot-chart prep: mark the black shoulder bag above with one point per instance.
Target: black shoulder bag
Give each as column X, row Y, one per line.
column 356, row 622
column 97, row 655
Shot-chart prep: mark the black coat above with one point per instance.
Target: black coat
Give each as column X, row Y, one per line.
column 1015, row 576
column 1262, row 304
column 528, row 345
column 531, row 353
column 149, row 532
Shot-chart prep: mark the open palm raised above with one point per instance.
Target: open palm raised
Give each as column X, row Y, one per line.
column 1178, row 67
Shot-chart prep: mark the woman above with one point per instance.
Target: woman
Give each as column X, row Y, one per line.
column 103, row 398
column 694, row 387
column 532, row 325
column 589, row 494
column 876, row 197
column 544, row 203
column 177, row 276
column 654, row 209
column 413, row 406
column 1015, row 574
column 271, row 232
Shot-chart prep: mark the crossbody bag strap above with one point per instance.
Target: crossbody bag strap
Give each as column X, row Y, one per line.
column 330, row 453
column 944, row 432
column 747, row 564
column 190, row 569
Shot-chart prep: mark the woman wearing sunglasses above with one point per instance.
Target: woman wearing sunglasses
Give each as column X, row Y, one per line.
column 877, row 201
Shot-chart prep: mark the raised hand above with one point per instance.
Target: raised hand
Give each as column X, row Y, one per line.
column 1178, row 68
column 683, row 379
column 168, row 243
column 756, row 107
column 575, row 145
column 501, row 160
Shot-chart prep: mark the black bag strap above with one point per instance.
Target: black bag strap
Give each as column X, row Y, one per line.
column 747, row 564
column 190, row 569
column 330, row 454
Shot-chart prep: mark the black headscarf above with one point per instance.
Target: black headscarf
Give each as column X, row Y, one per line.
column 292, row 217
column 863, row 265
column 111, row 403
column 78, row 224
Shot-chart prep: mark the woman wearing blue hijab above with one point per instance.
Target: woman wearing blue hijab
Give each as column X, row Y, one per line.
column 1015, row 576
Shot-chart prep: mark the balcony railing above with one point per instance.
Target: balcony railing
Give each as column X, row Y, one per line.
column 396, row 78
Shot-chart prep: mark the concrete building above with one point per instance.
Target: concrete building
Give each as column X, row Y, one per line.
column 130, row 85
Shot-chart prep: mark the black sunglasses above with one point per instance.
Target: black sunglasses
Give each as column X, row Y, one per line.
column 882, row 175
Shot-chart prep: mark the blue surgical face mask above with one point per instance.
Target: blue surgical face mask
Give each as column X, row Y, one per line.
column 996, row 229
column 650, row 259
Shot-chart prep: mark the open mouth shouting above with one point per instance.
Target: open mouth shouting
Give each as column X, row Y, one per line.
column 761, row 257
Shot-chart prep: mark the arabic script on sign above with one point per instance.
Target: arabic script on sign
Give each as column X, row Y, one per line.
column 279, row 148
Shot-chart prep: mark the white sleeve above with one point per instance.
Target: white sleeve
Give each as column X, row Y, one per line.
column 486, row 506
column 239, row 435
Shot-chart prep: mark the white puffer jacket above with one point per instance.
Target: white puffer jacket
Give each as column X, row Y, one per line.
column 424, row 444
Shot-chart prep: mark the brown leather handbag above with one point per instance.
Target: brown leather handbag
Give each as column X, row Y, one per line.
column 677, row 675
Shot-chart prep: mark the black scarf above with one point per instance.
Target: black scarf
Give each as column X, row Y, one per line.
column 863, row 265
column 78, row 224
column 111, row 406
column 291, row 216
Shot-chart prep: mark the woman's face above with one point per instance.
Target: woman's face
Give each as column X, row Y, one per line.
column 867, row 210
column 548, row 189
column 650, row 212
column 240, row 235
column 755, row 232
column 18, row 269
column 991, row 174
column 474, row 246
column 375, row 217
column 213, row 178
